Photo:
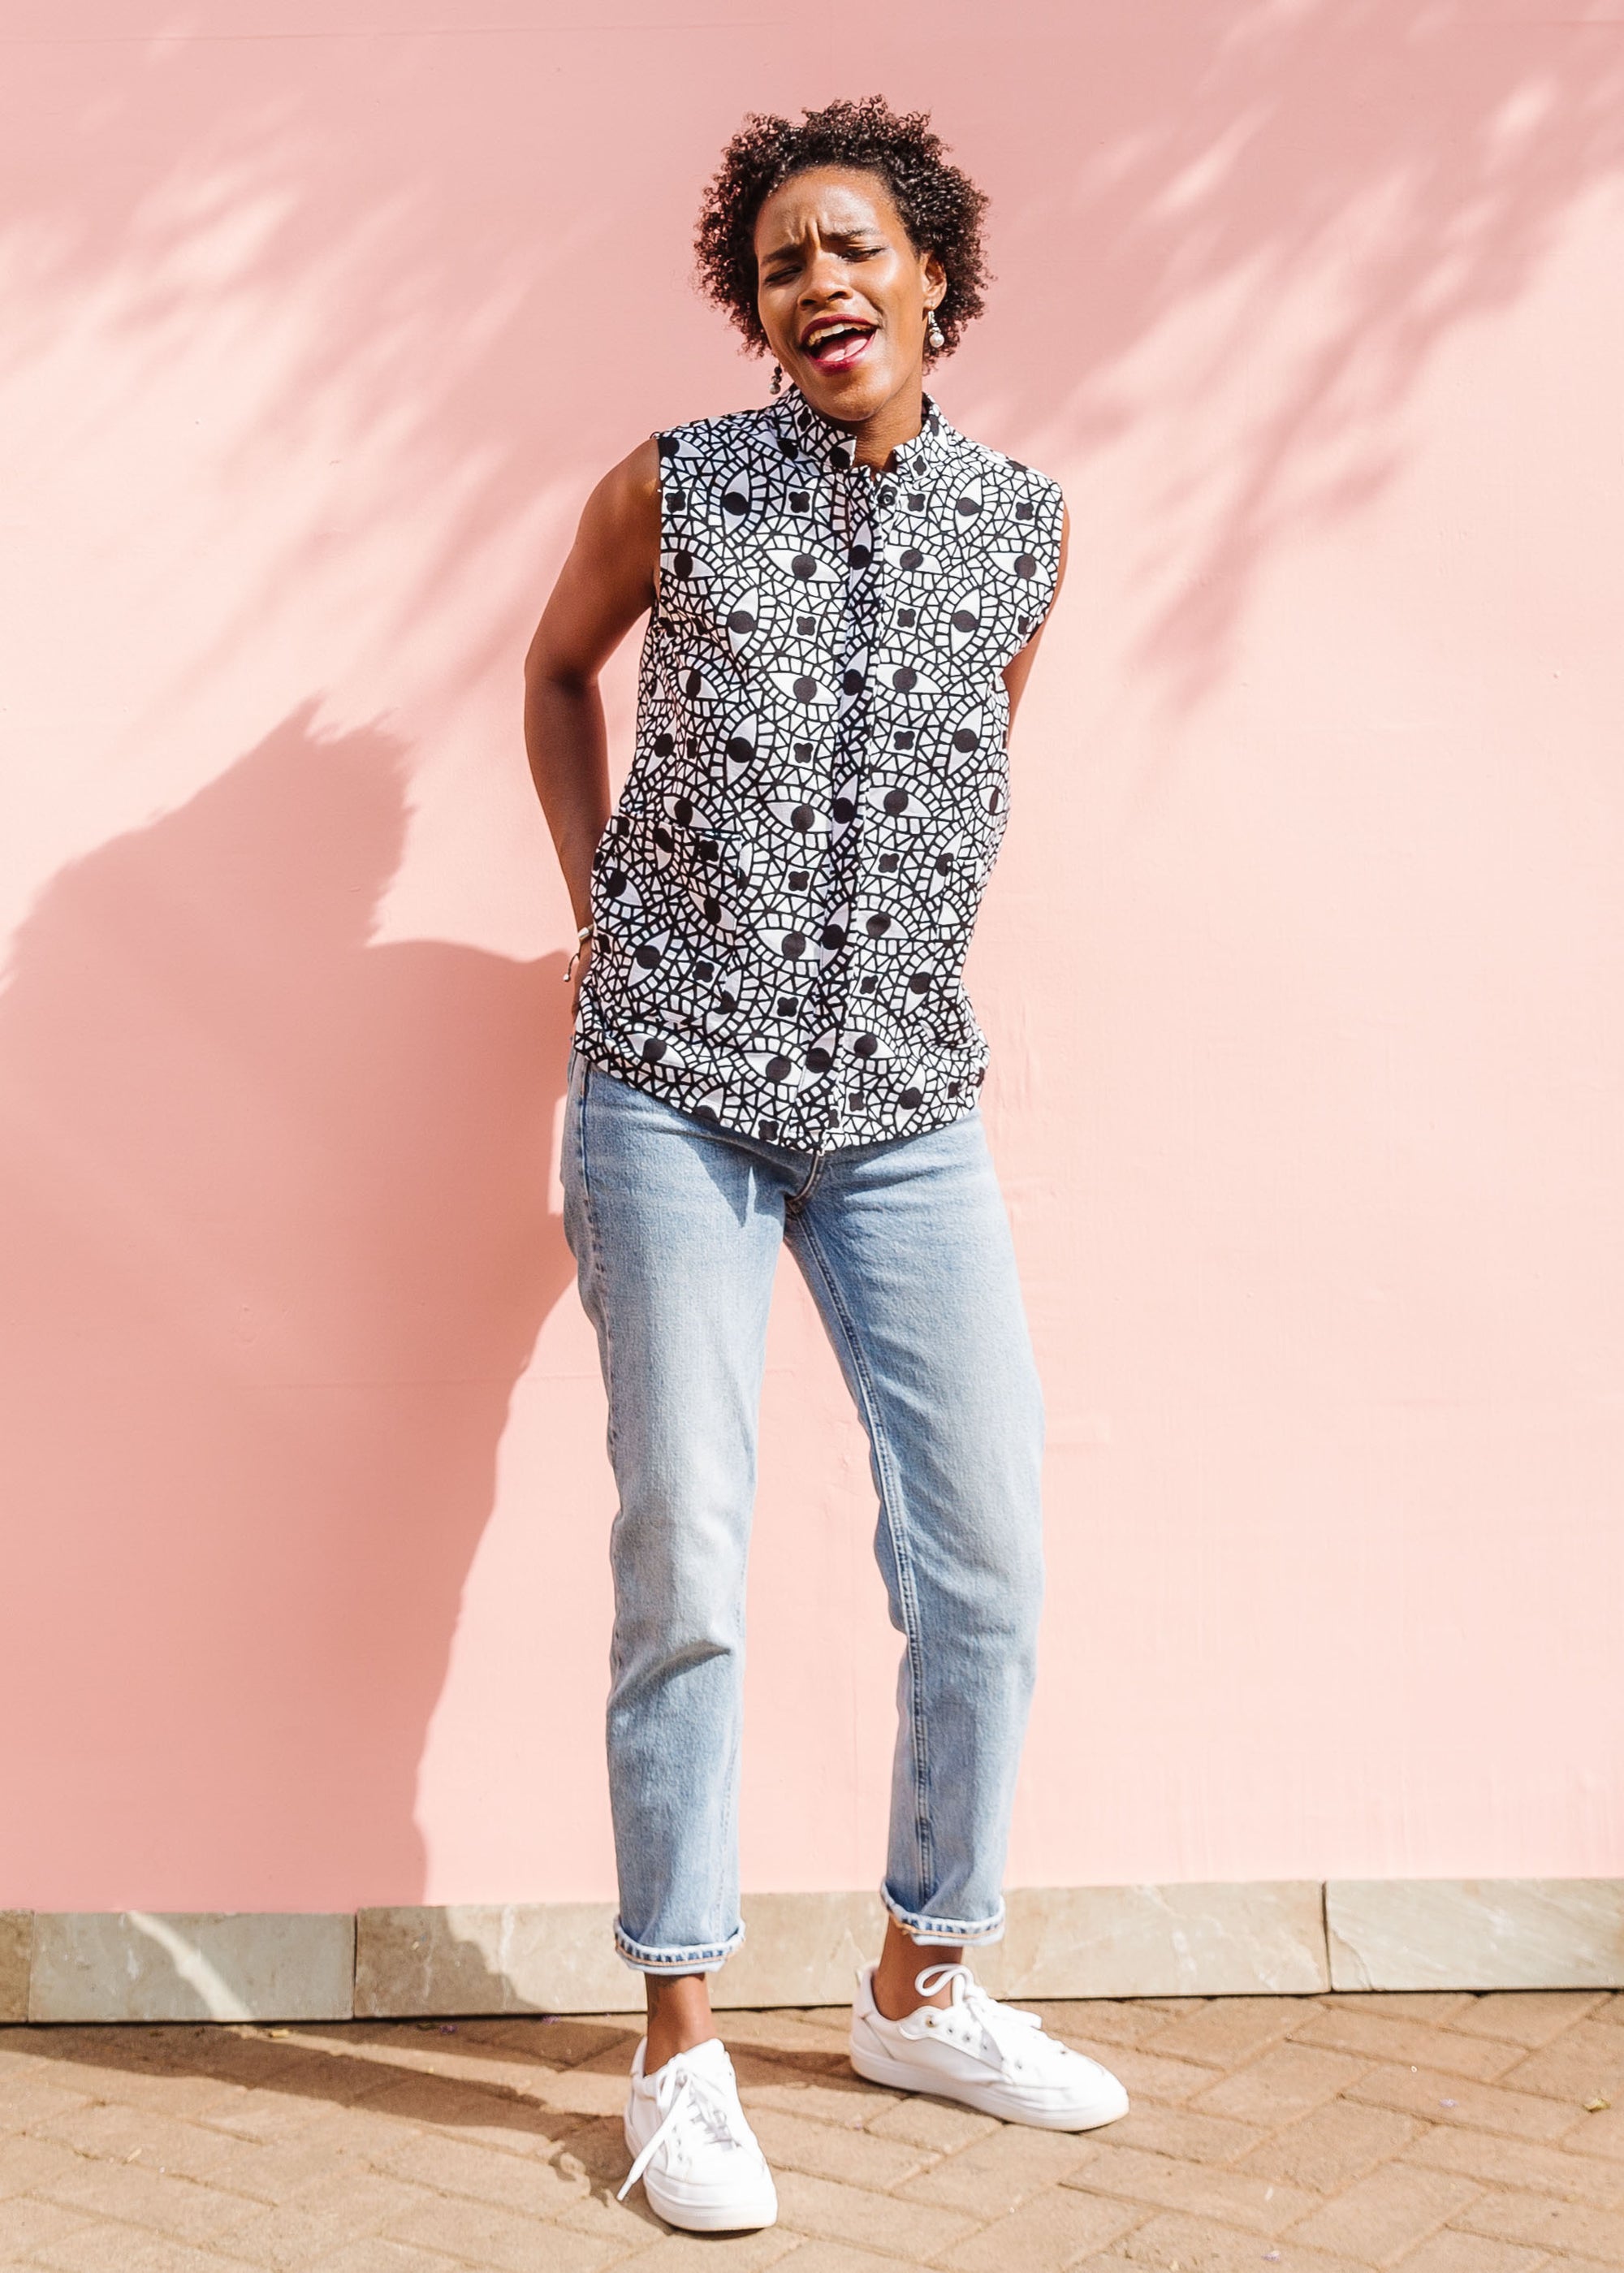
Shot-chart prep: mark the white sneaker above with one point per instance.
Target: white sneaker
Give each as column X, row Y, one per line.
column 696, row 2156
column 985, row 2054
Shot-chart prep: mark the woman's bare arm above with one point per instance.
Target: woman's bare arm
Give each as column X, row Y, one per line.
column 605, row 586
column 1018, row 669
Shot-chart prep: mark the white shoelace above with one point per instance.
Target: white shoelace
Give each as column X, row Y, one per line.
column 1007, row 2030
column 696, row 2102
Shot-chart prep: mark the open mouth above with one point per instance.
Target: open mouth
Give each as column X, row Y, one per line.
column 836, row 346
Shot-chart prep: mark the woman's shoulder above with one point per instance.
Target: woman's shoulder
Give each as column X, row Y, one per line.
column 1011, row 474
column 625, row 505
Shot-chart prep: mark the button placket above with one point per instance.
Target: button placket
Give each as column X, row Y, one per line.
column 870, row 493
column 851, row 526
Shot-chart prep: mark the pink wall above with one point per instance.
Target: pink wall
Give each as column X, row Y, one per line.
column 1303, row 970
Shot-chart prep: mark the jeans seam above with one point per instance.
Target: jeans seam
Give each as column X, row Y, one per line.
column 700, row 1957
column 912, row 1630
column 595, row 1248
column 727, row 1844
column 797, row 1200
column 967, row 1931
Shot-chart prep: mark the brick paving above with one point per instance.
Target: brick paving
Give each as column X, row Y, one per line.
column 1317, row 2135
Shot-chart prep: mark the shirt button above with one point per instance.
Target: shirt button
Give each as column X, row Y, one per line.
column 887, row 497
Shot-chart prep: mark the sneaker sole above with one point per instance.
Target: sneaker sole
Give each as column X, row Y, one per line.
column 986, row 2099
column 690, row 2217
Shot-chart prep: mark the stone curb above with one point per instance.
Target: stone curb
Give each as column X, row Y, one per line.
column 1290, row 1936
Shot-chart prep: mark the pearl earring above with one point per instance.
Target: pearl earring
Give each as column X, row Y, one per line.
column 934, row 337
column 778, row 376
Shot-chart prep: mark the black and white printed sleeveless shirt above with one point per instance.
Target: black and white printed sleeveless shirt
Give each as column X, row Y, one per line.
column 785, row 894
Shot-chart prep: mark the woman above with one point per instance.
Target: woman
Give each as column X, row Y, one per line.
column 773, row 1045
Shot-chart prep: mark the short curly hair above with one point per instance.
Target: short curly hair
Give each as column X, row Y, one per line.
column 941, row 206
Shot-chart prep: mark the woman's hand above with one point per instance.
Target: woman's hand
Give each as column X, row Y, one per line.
column 605, row 585
column 583, row 963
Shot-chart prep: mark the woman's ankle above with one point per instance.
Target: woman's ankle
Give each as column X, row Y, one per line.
column 902, row 1961
column 679, row 2016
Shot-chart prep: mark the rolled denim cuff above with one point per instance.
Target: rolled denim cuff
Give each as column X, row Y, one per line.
column 709, row 1957
column 942, row 1933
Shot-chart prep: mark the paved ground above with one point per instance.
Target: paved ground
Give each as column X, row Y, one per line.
column 1438, row 2134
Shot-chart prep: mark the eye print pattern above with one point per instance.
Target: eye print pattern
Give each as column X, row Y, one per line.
column 785, row 893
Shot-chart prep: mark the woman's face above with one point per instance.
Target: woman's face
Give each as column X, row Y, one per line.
column 841, row 291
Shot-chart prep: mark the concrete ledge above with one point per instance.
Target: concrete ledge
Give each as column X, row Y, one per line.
column 516, row 1957
column 1291, row 1938
column 16, row 1955
column 137, row 1965
column 813, row 1944
column 1264, row 1939
column 805, row 1949
column 1476, row 1933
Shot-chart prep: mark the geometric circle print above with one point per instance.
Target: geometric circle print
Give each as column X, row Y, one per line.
column 785, row 892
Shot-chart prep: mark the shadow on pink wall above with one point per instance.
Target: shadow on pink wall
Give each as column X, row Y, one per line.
column 273, row 1197
column 488, row 230
column 273, row 1205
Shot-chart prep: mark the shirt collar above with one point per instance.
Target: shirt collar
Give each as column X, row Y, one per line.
column 805, row 433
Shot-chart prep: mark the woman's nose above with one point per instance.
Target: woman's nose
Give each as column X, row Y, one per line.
column 825, row 281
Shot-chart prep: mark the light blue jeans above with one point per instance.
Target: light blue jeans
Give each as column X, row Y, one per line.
column 675, row 1226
